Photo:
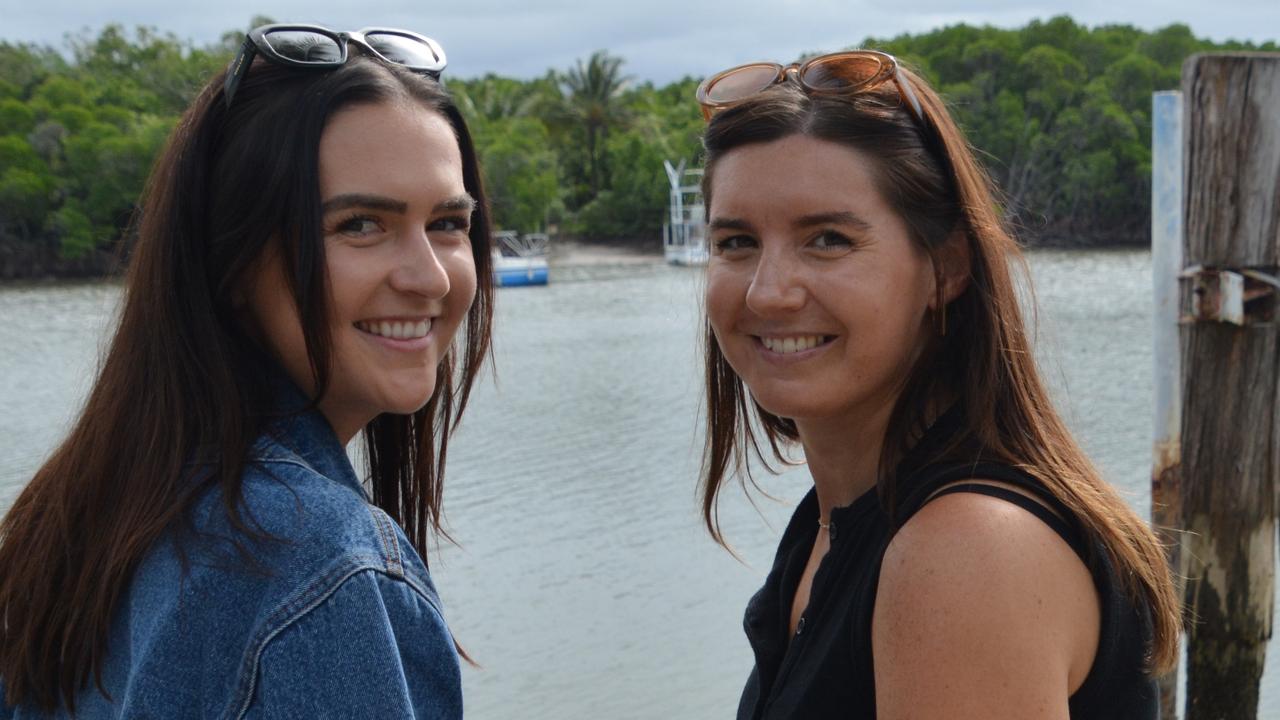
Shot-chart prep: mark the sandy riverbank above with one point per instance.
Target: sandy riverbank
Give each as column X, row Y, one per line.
column 570, row 252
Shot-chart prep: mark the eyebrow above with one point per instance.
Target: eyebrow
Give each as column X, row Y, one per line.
column 729, row 224
column 381, row 202
column 463, row 202
column 840, row 217
column 373, row 202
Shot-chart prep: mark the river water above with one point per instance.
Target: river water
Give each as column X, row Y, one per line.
column 583, row 583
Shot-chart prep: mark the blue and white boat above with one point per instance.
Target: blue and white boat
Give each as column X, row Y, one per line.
column 520, row 259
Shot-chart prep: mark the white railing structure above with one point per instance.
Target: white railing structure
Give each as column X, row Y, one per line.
column 684, row 235
column 512, row 244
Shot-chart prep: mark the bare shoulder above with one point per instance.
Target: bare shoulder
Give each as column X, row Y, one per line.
column 991, row 604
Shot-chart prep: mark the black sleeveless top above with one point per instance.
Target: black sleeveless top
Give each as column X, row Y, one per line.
column 826, row 670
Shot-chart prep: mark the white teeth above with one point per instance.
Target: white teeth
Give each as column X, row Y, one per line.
column 786, row 346
column 396, row 330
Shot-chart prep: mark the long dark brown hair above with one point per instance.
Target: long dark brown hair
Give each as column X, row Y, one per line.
column 184, row 372
column 984, row 360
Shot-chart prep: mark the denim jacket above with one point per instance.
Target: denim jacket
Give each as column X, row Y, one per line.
column 339, row 618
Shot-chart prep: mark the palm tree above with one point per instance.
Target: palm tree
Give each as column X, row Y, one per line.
column 496, row 98
column 592, row 91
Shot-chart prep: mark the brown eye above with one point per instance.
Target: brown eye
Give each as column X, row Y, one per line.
column 451, row 224
column 735, row 242
column 831, row 240
column 358, row 226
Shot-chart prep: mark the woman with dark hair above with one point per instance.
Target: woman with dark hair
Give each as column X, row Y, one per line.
column 313, row 237
column 958, row 555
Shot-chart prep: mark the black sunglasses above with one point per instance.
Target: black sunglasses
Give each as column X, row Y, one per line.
column 312, row 46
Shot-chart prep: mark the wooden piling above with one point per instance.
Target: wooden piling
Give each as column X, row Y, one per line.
column 1230, row 349
column 1166, row 265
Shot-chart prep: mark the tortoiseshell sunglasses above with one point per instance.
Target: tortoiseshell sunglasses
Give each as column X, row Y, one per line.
column 843, row 73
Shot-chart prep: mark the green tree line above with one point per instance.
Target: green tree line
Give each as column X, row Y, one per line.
column 1060, row 113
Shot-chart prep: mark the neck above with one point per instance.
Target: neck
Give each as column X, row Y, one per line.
column 843, row 456
column 344, row 421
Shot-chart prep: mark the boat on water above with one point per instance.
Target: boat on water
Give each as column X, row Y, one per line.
column 520, row 259
column 684, row 234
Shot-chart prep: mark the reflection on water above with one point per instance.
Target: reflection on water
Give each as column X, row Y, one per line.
column 583, row 583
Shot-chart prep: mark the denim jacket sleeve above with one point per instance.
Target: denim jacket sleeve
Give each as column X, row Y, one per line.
column 375, row 647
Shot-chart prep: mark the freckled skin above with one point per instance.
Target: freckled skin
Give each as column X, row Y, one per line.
column 803, row 243
column 865, row 283
column 414, row 263
column 977, row 595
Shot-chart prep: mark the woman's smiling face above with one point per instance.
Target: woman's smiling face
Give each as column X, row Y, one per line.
column 398, row 257
column 816, row 293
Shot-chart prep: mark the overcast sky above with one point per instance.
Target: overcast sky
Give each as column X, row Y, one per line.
column 661, row 40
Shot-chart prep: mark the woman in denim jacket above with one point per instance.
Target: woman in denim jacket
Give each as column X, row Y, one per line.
column 312, row 238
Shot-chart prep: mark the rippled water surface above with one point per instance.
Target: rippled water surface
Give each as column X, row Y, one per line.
column 583, row 583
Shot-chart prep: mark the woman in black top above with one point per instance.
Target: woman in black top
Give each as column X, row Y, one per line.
column 958, row 555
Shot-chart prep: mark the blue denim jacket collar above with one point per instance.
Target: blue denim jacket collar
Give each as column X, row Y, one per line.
column 299, row 431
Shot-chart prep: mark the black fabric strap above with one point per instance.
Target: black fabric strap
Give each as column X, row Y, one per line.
column 1056, row 515
column 1055, row 523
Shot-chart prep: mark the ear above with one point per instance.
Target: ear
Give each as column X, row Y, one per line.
column 951, row 268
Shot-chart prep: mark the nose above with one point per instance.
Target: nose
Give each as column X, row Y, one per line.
column 777, row 286
column 420, row 270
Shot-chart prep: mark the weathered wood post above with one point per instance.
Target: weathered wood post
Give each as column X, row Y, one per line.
column 1230, row 343
column 1166, row 264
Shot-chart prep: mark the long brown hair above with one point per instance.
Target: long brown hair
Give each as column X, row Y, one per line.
column 184, row 373
column 930, row 178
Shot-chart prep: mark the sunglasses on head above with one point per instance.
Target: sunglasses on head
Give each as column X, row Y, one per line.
column 312, row 46
column 843, row 73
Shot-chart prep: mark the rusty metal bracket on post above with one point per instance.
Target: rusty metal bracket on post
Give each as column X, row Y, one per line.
column 1238, row 296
